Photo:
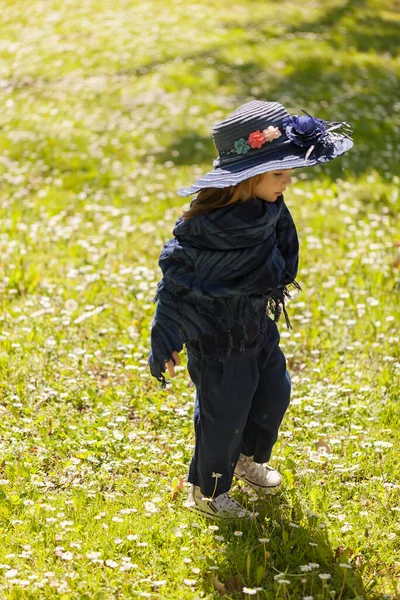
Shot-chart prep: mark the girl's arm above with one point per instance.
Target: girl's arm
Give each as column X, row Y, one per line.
column 165, row 336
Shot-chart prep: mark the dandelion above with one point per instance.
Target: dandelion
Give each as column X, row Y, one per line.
column 71, row 305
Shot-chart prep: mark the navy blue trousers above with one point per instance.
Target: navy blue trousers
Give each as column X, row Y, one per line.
column 240, row 404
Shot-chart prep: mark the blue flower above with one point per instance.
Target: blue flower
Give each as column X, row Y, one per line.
column 242, row 146
column 304, row 131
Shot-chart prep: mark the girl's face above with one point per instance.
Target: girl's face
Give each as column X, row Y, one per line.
column 273, row 184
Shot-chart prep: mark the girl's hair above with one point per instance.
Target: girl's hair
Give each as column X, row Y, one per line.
column 209, row 199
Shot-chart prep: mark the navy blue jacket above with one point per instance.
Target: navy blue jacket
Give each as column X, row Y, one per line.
column 221, row 270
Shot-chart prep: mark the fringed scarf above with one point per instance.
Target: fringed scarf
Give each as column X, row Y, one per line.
column 221, row 269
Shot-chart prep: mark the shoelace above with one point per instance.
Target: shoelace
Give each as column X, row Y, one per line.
column 226, row 502
column 253, row 467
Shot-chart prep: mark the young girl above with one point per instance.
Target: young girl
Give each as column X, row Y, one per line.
column 232, row 258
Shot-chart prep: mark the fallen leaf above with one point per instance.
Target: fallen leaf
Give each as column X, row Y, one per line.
column 179, row 486
column 323, row 444
column 234, row 584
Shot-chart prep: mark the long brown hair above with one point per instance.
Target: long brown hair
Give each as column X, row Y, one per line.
column 209, row 199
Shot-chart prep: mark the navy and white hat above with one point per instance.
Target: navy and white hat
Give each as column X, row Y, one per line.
column 262, row 136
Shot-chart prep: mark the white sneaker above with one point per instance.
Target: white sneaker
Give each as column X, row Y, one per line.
column 258, row 476
column 220, row 506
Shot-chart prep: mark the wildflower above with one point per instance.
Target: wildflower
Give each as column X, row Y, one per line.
column 150, row 507
column 284, row 581
column 345, row 566
column 11, row 573
column 71, row 305
column 216, row 475
column 250, row 591
column 305, row 568
column 190, row 582
column 238, row 533
column 324, row 576
column 263, row 540
column 126, row 566
column 111, row 563
column 93, row 555
column 314, row 565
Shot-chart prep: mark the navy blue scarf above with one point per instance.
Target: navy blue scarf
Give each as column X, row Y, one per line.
column 222, row 269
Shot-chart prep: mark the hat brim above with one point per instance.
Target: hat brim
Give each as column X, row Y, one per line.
column 235, row 173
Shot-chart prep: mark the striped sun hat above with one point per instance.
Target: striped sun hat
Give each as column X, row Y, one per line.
column 262, row 136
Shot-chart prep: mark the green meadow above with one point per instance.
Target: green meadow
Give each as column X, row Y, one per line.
column 106, row 110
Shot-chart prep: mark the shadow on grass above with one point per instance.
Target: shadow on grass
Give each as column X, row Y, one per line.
column 266, row 552
column 357, row 88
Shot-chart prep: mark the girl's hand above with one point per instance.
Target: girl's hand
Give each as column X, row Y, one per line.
column 170, row 363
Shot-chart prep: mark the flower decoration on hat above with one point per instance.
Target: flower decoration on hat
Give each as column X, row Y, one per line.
column 310, row 132
column 255, row 139
column 241, row 146
column 303, row 131
column 271, row 133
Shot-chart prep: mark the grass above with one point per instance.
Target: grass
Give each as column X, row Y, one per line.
column 107, row 111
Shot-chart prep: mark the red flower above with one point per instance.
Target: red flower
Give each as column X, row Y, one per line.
column 256, row 139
